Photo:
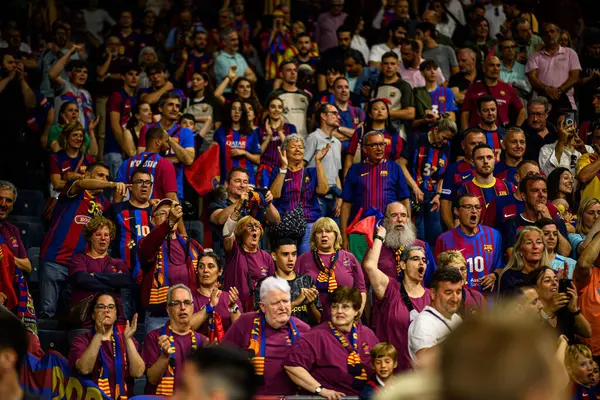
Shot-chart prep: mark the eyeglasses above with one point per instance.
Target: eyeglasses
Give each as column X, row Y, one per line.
column 141, row 182
column 252, row 226
column 471, row 207
column 103, row 307
column 375, row 145
column 537, row 114
column 178, row 303
column 417, row 259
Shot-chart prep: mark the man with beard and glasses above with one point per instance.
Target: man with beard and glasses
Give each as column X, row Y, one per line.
column 396, row 34
column 479, row 244
column 401, row 233
column 437, row 320
column 514, row 146
column 166, row 348
column 132, row 222
column 554, row 71
column 163, row 180
column 196, row 59
column 397, row 299
column 484, row 185
column 534, row 191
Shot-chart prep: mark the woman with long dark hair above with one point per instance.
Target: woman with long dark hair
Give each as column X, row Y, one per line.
column 239, row 145
column 378, row 119
column 142, row 115
column 201, row 102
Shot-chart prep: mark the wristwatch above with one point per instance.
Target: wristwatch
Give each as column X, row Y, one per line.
column 234, row 309
column 319, row 390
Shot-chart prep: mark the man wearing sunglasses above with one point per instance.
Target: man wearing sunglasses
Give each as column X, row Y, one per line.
column 166, row 259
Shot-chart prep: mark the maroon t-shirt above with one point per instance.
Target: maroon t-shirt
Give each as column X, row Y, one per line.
column 80, row 344
column 324, row 357
column 239, row 266
column 183, row 348
column 12, row 239
column 505, row 96
column 387, row 260
column 276, row 380
column 393, row 319
column 348, row 272
column 200, row 301
column 84, row 263
column 474, row 301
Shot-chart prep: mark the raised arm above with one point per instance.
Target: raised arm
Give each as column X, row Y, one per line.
column 59, row 66
column 585, row 263
column 379, row 281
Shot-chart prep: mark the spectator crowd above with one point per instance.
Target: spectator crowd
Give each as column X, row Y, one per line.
column 331, row 186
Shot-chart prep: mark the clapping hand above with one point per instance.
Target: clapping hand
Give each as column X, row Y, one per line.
column 322, row 153
column 282, row 157
column 234, row 295
column 165, row 345
column 130, row 328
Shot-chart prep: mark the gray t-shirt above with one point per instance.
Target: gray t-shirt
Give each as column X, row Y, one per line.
column 444, row 56
column 332, row 163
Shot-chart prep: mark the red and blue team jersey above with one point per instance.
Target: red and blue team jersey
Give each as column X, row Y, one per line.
column 505, row 172
column 485, row 194
column 494, row 138
column 483, row 251
column 61, row 163
column 196, row 64
column 270, row 158
column 500, row 209
column 38, row 116
column 79, row 96
column 350, row 119
column 443, row 98
column 132, row 224
column 374, row 185
column 581, row 392
column 154, row 106
column 312, row 61
column 427, row 162
column 162, row 170
column 455, row 176
column 293, row 193
column 122, row 103
column 71, row 214
column 394, row 144
column 183, row 136
column 229, row 139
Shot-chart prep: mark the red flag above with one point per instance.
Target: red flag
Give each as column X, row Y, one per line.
column 203, row 174
column 365, row 226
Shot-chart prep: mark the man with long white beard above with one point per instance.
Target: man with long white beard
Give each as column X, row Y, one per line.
column 401, row 233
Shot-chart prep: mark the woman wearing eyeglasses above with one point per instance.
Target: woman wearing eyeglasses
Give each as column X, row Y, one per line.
column 107, row 355
column 378, row 119
column 329, row 265
column 217, row 309
column 245, row 263
column 94, row 271
column 397, row 303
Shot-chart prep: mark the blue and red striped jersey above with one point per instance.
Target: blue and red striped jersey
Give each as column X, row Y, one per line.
column 162, row 171
column 132, row 224
column 455, row 176
column 501, row 209
column 71, row 214
column 483, row 251
column 196, row 64
column 290, row 192
column 124, row 104
column 394, row 144
column 427, row 163
column 485, row 193
column 61, row 163
column 503, row 171
column 494, row 138
column 270, row 157
column 443, row 98
column 229, row 139
column 374, row 185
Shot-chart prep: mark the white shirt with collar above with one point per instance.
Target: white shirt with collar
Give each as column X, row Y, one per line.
column 429, row 329
column 548, row 160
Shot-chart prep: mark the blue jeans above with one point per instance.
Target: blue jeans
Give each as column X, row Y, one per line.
column 428, row 223
column 113, row 161
column 153, row 323
column 53, row 283
column 304, row 243
column 327, row 208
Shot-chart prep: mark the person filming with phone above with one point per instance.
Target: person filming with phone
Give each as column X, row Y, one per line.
column 560, row 300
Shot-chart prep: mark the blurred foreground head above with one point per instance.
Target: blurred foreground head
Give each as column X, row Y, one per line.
column 501, row 358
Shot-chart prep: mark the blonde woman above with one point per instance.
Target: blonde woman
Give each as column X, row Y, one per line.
column 529, row 253
column 472, row 299
column 245, row 263
column 329, row 265
column 587, row 216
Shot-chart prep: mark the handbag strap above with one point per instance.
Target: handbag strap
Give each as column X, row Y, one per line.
column 302, row 187
column 451, row 15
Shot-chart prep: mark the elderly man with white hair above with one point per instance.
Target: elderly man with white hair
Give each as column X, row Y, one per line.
column 267, row 335
column 166, row 348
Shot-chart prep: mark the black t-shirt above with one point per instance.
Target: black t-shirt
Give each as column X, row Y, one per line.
column 534, row 142
column 513, row 225
column 588, row 66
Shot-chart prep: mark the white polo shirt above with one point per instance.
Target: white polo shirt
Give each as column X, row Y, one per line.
column 429, row 329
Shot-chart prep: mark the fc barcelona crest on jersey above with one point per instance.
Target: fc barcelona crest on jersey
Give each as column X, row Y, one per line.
column 502, row 193
column 488, row 248
column 383, row 173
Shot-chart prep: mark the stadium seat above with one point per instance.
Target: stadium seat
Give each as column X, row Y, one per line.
column 139, row 386
column 33, row 253
column 32, row 233
column 195, row 230
column 29, row 203
column 54, row 340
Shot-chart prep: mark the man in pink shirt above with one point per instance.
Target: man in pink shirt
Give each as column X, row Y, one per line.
column 327, row 24
column 554, row 70
column 409, row 67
